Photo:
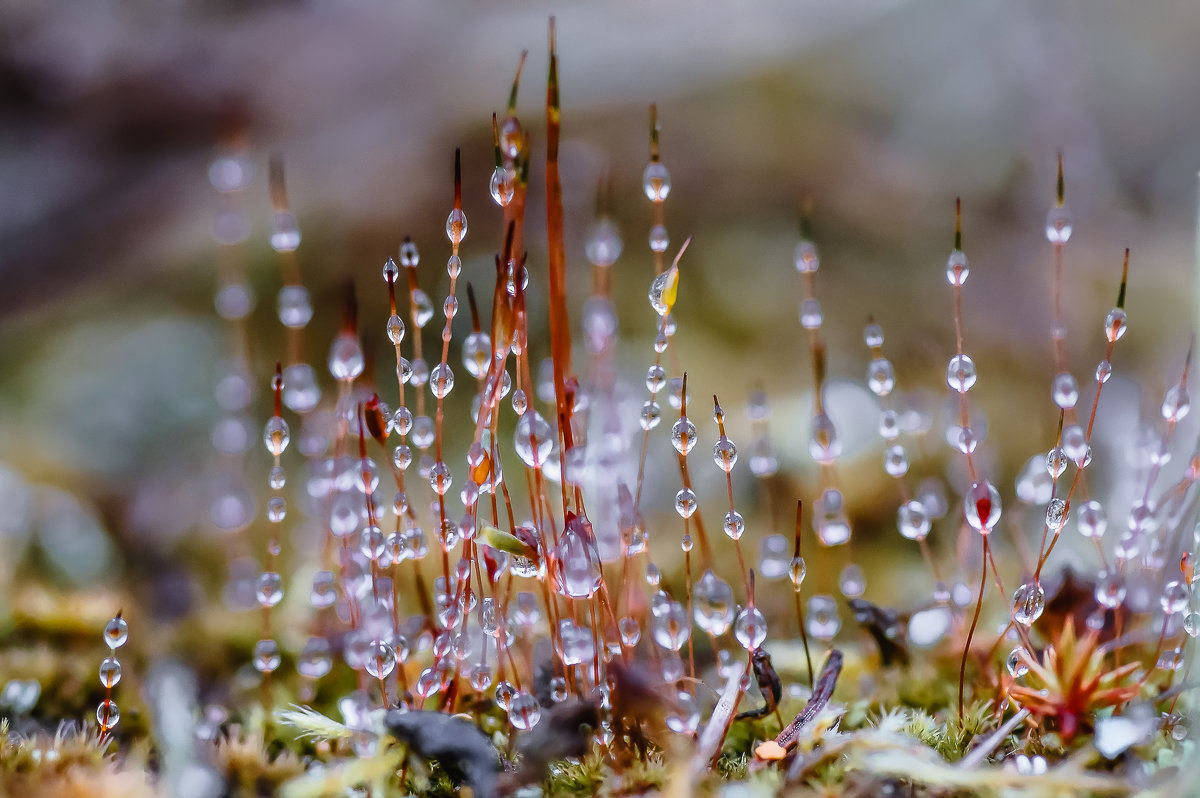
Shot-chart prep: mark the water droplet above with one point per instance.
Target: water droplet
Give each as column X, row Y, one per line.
column 276, row 435
column 822, row 619
column 685, row 502
column 823, row 443
column 881, row 376
column 1058, row 224
column 960, row 373
column 502, row 185
column 456, row 226
column 671, row 627
column 577, row 567
column 807, row 258
column 107, row 714
column 1029, row 601
column 981, row 506
column 912, row 520
column 957, row 268
column 110, row 672
column 895, row 460
column 269, row 589
column 266, row 656
column 1065, row 390
column 1176, row 403
column 314, row 661
column 295, row 309
column 775, row 557
column 683, row 435
column 656, row 181
column 345, row 357
column 1056, row 514
column 750, row 628
column 810, row 314
column 116, row 632
column 1016, row 665
column 852, row 582
column 285, row 234
column 380, row 660
column 603, row 245
column 734, row 524
column 533, row 439
column 713, row 604
column 1174, row 598
column 1115, row 324
column 1091, row 519
column 663, row 290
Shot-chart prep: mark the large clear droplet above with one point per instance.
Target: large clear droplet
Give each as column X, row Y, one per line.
column 981, row 506
column 656, row 181
column 1029, row 601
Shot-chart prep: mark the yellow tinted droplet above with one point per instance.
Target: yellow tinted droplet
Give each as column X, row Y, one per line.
column 671, row 289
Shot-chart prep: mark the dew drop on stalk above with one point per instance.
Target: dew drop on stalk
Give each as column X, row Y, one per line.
column 533, row 439
column 110, row 672
column 797, row 571
column 266, row 656
column 380, row 660
column 811, row 315
column 823, row 443
column 345, row 357
column 107, row 714
column 672, row 628
column 650, row 416
column 603, row 244
column 957, row 268
column 852, row 583
column 912, row 520
column 1016, row 665
column 630, row 631
column 1115, row 324
column 656, row 181
column 895, row 460
column 822, row 619
column 324, row 590
column 422, row 307
column 683, row 716
column 269, row 589
column 881, row 376
column 116, row 632
column 734, row 525
column 725, row 454
column 1091, row 519
column 685, row 502
column 981, row 506
column 502, row 185
column 713, row 605
column 775, row 557
column 683, row 435
column 314, row 660
column 1174, row 598
column 960, row 373
column 1103, row 371
column 295, row 308
column 1056, row 461
column 577, row 572
column 1058, row 224
column 285, row 234
column 1029, row 601
column 1065, row 390
column 750, row 628
column 1176, row 403
column 1056, row 514
column 807, row 258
